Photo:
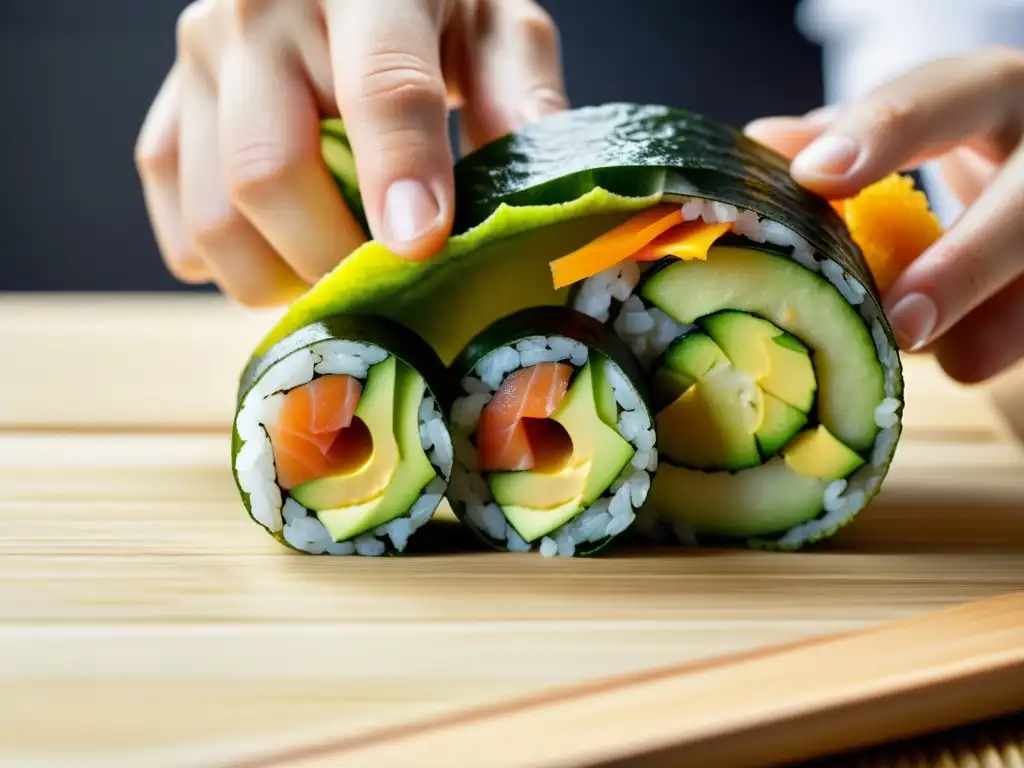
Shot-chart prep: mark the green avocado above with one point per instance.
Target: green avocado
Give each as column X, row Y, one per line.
column 706, row 428
column 604, row 395
column 782, row 369
column 693, row 356
column 748, row 281
column 780, row 424
column 392, row 389
column 817, row 453
column 599, row 455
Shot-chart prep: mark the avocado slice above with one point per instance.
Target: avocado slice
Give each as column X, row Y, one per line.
column 780, row 424
column 376, row 409
column 850, row 380
column 782, row 369
column 817, row 453
column 413, row 473
column 759, row 501
column 532, row 523
column 694, row 355
column 705, row 428
column 539, row 490
column 598, row 449
column 604, row 394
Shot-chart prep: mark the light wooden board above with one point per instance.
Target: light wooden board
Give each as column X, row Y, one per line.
column 143, row 617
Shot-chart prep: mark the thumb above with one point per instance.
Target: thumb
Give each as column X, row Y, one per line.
column 391, row 95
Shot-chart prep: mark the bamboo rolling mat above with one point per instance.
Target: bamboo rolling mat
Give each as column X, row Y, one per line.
column 144, row 620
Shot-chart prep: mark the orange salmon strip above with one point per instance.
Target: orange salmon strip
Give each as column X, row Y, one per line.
column 310, row 420
column 503, row 441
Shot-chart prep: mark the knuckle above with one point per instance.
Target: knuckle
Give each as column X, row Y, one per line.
column 891, row 116
column 245, row 12
column 208, row 232
column 396, row 76
column 152, row 161
column 538, row 27
column 191, row 26
column 253, row 166
column 1006, row 62
column 188, row 268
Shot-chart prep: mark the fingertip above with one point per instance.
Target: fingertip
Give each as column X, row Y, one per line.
column 416, row 218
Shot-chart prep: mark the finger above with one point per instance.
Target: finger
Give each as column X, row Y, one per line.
column 156, row 159
column 934, row 107
column 514, row 73
column 242, row 262
column 789, row 136
column 271, row 159
column 988, row 340
column 966, row 173
column 978, row 257
column 392, row 96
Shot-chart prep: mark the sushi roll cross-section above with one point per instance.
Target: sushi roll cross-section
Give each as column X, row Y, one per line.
column 341, row 446
column 775, row 387
column 554, row 443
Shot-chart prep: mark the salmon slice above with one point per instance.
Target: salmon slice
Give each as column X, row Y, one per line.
column 512, row 434
column 311, row 432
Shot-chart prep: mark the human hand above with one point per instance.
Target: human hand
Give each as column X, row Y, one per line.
column 229, row 154
column 963, row 298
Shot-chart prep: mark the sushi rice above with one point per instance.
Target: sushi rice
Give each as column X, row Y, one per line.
column 283, row 516
column 650, row 331
column 612, row 513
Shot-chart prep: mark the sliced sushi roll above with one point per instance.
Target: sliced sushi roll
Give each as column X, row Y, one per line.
column 653, row 221
column 340, row 441
column 777, row 389
column 554, row 443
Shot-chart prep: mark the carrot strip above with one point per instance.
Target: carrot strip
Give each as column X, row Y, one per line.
column 615, row 246
column 687, row 241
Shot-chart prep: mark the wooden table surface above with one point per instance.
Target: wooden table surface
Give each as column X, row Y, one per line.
column 144, row 618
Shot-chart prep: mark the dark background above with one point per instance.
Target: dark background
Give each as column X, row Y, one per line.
column 79, row 76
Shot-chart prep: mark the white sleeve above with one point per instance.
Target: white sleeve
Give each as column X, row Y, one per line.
column 866, row 42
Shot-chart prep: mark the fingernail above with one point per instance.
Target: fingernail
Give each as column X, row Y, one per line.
column 410, row 211
column 827, row 156
column 913, row 320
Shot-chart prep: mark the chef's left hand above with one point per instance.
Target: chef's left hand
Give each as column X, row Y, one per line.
column 963, row 298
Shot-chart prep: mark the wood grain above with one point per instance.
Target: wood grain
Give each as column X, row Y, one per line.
column 767, row 708
column 144, row 620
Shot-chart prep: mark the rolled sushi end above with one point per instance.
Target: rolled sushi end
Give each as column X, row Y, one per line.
column 340, row 446
column 554, row 444
column 775, row 381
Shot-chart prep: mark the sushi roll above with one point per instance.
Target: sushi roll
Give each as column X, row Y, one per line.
column 340, row 442
column 776, row 388
column 554, row 443
column 749, row 306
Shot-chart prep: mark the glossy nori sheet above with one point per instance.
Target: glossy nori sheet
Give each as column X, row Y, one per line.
column 637, row 150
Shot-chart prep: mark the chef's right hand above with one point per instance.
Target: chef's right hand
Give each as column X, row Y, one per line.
column 229, row 154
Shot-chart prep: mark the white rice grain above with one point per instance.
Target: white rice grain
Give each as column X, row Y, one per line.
column 548, row 547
